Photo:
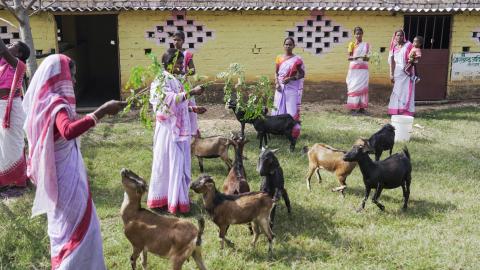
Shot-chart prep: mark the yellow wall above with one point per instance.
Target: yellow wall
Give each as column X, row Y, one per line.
column 462, row 27
column 43, row 30
column 236, row 33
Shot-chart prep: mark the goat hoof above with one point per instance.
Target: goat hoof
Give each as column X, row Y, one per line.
column 382, row 208
column 360, row 209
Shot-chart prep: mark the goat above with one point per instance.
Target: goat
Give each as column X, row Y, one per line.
column 323, row 156
column 211, row 147
column 253, row 207
column 273, row 182
column 174, row 238
column 278, row 125
column 381, row 140
column 236, row 181
column 392, row 172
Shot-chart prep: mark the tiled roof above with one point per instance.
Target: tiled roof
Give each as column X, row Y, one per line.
column 375, row 5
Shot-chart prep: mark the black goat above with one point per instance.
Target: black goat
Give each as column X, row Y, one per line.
column 272, row 180
column 392, row 172
column 382, row 140
column 278, row 125
column 240, row 115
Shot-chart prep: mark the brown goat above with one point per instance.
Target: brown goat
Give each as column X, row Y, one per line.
column 211, row 147
column 252, row 207
column 174, row 238
column 236, row 181
column 323, row 156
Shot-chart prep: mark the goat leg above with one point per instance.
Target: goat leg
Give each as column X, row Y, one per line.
column 144, row 259
column 287, row 200
column 376, row 196
column 272, row 215
column 134, row 257
column 309, row 176
column 264, row 223
column 367, row 194
column 256, row 233
column 406, row 191
column 197, row 256
column 200, row 163
column 378, row 154
column 319, row 177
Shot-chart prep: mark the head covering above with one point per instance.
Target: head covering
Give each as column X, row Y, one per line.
column 50, row 90
column 393, row 42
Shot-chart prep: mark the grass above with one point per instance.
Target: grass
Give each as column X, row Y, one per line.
column 439, row 231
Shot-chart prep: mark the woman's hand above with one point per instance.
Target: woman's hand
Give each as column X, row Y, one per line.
column 392, row 78
column 287, row 80
column 197, row 91
column 199, row 109
column 111, row 107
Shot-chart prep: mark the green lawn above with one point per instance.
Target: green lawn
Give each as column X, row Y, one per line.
column 440, row 230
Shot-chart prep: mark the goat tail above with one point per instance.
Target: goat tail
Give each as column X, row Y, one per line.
column 201, row 228
column 405, row 150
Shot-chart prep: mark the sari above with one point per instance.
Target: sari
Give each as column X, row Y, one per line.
column 402, row 99
column 288, row 98
column 357, row 77
column 171, row 168
column 13, row 168
column 187, row 57
column 56, row 167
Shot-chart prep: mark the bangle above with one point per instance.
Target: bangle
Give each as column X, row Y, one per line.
column 94, row 118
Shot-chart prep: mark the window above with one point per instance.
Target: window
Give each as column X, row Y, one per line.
column 435, row 30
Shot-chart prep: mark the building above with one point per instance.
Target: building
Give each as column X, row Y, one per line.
column 108, row 38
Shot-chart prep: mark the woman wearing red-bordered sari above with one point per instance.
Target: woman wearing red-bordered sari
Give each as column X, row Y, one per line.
column 55, row 165
column 358, row 75
column 402, row 99
column 13, row 169
column 289, row 76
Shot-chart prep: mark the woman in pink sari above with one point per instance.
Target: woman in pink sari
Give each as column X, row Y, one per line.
column 357, row 77
column 171, row 168
column 289, row 74
column 13, row 169
column 56, row 166
column 402, row 100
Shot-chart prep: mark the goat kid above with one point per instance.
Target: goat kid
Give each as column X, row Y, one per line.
column 324, row 156
column 392, row 172
column 253, row 207
column 384, row 139
column 211, row 147
column 273, row 182
column 174, row 238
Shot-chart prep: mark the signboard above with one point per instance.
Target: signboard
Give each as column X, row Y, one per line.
column 465, row 67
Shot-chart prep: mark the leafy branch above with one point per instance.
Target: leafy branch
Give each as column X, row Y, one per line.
column 253, row 98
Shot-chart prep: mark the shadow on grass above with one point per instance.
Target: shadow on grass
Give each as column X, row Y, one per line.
column 417, row 208
column 313, row 223
column 469, row 113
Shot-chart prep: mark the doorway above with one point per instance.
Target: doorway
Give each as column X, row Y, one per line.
column 433, row 66
column 92, row 42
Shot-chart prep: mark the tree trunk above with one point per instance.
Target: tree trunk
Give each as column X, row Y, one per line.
column 26, row 36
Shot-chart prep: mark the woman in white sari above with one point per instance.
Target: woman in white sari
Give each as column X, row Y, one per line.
column 357, row 77
column 55, row 165
column 402, row 100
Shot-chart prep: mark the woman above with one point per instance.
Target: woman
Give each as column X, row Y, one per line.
column 56, row 165
column 357, row 77
column 289, row 74
column 402, row 100
column 13, row 169
column 171, row 169
column 188, row 70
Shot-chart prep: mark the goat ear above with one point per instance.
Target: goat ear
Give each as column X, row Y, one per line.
column 275, row 150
